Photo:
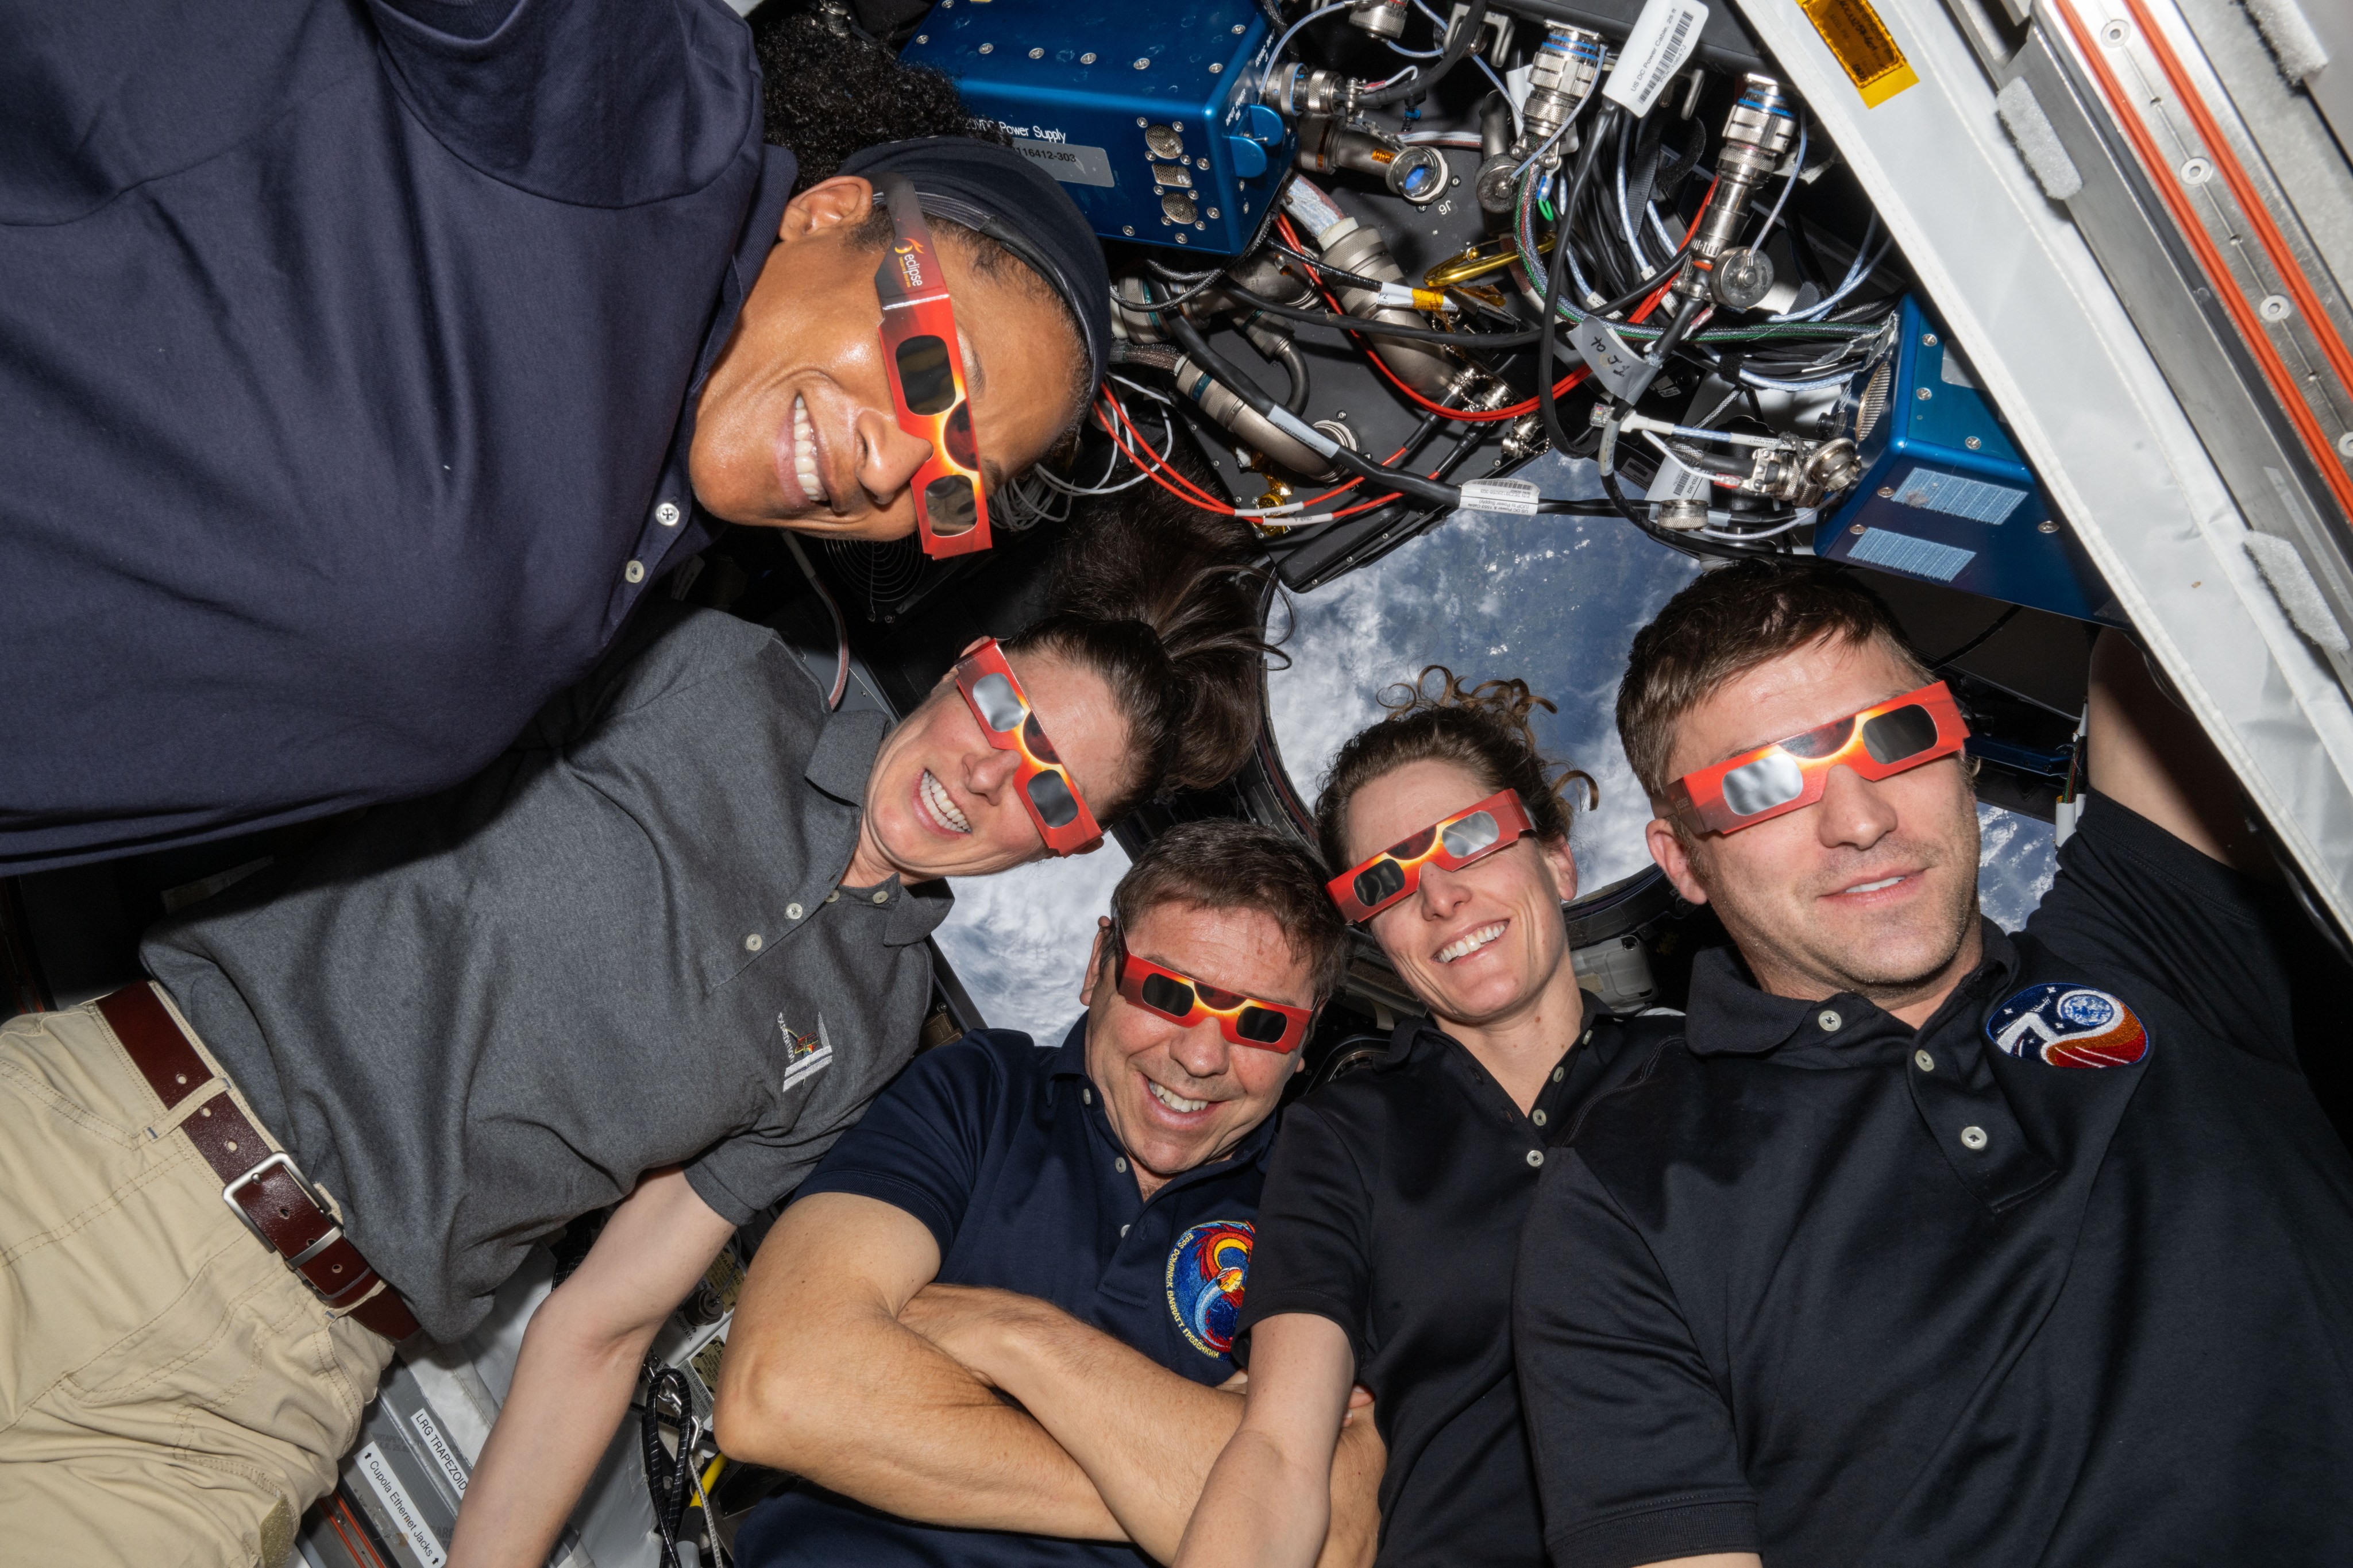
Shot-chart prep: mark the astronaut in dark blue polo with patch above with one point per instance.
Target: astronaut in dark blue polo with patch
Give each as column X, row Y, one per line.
column 993, row 1328
column 1930, row 1242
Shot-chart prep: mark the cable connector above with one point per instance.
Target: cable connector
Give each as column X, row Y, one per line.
column 1414, row 299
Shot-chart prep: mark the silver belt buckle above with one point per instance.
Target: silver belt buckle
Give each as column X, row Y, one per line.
column 284, row 1162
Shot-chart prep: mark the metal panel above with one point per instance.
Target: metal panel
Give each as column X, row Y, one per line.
column 2052, row 343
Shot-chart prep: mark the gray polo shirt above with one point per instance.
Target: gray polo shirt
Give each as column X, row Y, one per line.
column 476, row 1015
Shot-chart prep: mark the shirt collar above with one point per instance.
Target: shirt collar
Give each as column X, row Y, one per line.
column 844, row 754
column 778, row 169
column 1410, row 1032
column 1729, row 1014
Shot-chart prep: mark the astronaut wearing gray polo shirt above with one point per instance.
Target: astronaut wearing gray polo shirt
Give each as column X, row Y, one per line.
column 660, row 954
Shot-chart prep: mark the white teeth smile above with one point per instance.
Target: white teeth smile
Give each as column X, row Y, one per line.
column 1874, row 887
column 1175, row 1102
column 805, row 453
column 1463, row 946
column 941, row 804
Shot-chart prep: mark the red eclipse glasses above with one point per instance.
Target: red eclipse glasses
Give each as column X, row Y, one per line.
column 1879, row 742
column 1181, row 999
column 1452, row 842
column 1002, row 711
column 925, row 365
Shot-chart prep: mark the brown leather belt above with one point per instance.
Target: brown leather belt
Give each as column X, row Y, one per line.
column 262, row 1188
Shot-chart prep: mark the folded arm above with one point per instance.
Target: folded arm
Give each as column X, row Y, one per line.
column 1146, row 1436
column 821, row 1379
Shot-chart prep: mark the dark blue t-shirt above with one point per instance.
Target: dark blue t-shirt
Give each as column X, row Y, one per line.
column 347, row 357
column 1000, row 1147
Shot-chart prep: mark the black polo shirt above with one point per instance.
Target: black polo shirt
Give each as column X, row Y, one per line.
column 2066, row 1277
column 1001, row 1148
column 1393, row 1208
column 347, row 359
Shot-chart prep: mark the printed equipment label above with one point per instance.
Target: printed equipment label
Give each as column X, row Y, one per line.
column 413, row 1532
column 1067, row 161
column 1664, row 37
column 1501, row 495
column 437, row 1448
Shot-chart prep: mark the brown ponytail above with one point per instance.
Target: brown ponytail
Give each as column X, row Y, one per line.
column 1485, row 730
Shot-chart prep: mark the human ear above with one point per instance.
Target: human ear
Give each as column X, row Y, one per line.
column 1094, row 963
column 828, row 204
column 1563, row 866
column 1673, row 857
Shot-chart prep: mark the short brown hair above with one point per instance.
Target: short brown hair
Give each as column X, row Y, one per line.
column 1725, row 624
column 1484, row 729
column 1225, row 864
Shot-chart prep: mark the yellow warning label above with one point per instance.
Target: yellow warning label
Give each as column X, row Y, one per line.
column 1863, row 47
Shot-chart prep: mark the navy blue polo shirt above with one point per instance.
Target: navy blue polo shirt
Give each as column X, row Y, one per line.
column 347, row 357
column 1000, row 1147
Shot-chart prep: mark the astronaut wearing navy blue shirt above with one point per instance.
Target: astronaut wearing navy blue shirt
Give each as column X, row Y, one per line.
column 1069, row 1227
column 368, row 364
column 1929, row 1242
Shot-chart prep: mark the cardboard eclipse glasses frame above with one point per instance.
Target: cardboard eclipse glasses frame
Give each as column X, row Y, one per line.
column 1881, row 740
column 1048, row 793
column 1178, row 997
column 924, row 362
column 1452, row 842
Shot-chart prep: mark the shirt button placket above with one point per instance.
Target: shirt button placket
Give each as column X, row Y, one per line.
column 667, row 514
column 1535, row 1158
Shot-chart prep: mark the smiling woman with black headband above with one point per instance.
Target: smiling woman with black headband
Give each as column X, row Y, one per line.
column 370, row 364
column 658, row 954
column 1392, row 1211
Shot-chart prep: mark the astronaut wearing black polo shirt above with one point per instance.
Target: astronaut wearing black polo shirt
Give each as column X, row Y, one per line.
column 1070, row 1226
column 1933, row 1244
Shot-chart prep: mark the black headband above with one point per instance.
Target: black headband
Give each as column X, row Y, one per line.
column 997, row 192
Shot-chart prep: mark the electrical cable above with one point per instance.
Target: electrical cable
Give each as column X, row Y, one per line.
column 1293, row 31
column 1978, row 641
column 1458, row 43
column 840, row 627
column 1790, row 184
column 667, row 1478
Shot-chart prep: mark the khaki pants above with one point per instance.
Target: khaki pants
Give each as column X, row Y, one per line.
column 170, row 1393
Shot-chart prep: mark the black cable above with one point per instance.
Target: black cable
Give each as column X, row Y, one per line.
column 1518, row 340
column 1293, row 365
column 1417, row 85
column 1326, row 268
column 1547, row 405
column 667, row 1478
column 1978, row 641
column 1680, row 328
column 1634, row 296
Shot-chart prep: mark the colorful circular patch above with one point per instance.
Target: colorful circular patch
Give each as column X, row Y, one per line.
column 1207, row 1270
column 2069, row 1026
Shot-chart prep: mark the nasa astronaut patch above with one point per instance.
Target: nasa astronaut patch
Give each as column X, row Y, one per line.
column 1206, row 1271
column 2069, row 1026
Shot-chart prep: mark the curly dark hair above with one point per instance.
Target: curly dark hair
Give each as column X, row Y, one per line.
column 1485, row 730
column 826, row 94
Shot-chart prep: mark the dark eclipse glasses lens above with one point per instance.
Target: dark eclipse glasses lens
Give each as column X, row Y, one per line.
column 1261, row 1025
column 1052, row 797
column 948, row 505
column 927, row 380
column 1002, row 711
column 1906, row 733
column 1472, row 834
column 1385, row 878
column 1167, row 996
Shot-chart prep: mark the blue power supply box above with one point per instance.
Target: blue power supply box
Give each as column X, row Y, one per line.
column 1149, row 115
column 1946, row 498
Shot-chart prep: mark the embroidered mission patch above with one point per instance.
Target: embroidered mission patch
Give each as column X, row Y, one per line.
column 1207, row 1270
column 2069, row 1026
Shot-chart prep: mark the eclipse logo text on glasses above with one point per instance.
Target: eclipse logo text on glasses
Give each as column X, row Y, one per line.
column 1878, row 743
column 1453, row 842
column 1002, row 711
column 925, row 365
column 1181, row 999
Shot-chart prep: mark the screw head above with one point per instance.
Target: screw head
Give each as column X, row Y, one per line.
column 1238, row 27
column 2345, row 444
column 1127, row 229
column 1088, row 59
column 1213, row 212
column 1972, row 442
column 1216, row 65
column 2116, row 33
column 1180, row 238
column 1141, row 123
column 988, row 48
column 1927, row 340
column 1176, row 125
column 1143, row 62
column 2197, row 172
column 922, row 38
column 2274, row 308
column 1856, row 529
column 1923, row 395
column 1036, row 53
column 1886, row 492
column 2047, row 525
